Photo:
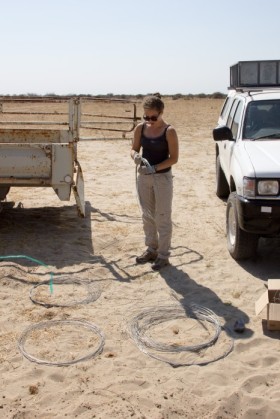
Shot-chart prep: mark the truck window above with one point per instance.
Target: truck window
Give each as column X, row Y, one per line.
column 232, row 112
column 226, row 107
column 262, row 117
column 236, row 120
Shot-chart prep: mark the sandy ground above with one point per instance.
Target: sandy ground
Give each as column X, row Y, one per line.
column 102, row 291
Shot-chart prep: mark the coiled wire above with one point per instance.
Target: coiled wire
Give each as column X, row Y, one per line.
column 93, row 293
column 48, row 324
column 153, row 316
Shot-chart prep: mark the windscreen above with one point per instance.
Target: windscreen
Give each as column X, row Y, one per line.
column 262, row 120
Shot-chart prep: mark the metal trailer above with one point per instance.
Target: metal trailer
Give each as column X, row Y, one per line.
column 42, row 152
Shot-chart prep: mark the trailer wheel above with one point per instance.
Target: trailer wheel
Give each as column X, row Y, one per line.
column 222, row 188
column 241, row 245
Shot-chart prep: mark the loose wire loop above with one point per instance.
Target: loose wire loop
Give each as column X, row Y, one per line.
column 153, row 316
column 92, row 293
column 48, row 324
column 92, row 296
column 38, row 262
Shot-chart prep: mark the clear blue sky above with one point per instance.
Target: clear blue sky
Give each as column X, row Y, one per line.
column 131, row 46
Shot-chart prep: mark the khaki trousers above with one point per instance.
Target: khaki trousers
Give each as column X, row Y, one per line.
column 155, row 195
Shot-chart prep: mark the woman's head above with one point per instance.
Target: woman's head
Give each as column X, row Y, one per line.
column 153, row 102
column 153, row 108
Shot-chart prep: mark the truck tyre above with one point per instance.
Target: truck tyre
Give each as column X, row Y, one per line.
column 3, row 192
column 241, row 245
column 222, row 188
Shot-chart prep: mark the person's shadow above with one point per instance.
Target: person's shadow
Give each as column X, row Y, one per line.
column 188, row 292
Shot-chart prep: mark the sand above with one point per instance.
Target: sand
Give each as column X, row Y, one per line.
column 84, row 361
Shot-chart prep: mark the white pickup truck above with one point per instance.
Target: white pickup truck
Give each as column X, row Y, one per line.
column 247, row 142
column 39, row 137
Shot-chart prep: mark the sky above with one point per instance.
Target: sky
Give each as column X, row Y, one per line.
column 131, row 46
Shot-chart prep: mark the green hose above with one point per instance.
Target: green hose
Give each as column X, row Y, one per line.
column 33, row 260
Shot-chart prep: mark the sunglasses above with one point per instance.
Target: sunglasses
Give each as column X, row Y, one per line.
column 150, row 118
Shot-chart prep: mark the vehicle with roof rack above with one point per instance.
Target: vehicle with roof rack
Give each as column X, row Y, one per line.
column 247, row 143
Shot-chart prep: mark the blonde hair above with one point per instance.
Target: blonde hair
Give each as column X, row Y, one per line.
column 153, row 102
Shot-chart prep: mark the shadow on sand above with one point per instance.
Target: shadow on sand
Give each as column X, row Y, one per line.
column 57, row 236
column 187, row 292
column 265, row 264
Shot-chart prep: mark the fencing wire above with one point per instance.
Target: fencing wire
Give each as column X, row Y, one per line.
column 43, row 326
column 143, row 322
column 92, row 292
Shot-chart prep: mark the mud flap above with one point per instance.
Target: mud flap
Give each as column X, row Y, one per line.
column 78, row 189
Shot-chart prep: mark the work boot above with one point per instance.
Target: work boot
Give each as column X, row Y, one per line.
column 147, row 256
column 159, row 263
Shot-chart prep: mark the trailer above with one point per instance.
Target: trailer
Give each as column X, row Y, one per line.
column 39, row 138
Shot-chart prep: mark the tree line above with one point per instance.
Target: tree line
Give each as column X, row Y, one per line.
column 215, row 95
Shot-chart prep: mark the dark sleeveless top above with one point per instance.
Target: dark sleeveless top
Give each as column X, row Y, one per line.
column 155, row 150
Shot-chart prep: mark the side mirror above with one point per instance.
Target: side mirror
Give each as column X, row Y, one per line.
column 222, row 133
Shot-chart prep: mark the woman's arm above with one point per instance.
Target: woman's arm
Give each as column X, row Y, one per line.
column 136, row 145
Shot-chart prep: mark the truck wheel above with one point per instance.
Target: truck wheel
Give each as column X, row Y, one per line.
column 3, row 192
column 222, row 188
column 241, row 245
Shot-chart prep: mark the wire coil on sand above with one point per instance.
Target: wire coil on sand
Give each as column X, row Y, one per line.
column 93, row 293
column 151, row 317
column 49, row 324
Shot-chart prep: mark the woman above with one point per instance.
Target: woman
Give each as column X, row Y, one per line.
column 159, row 143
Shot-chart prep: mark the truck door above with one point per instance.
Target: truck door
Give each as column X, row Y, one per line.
column 233, row 123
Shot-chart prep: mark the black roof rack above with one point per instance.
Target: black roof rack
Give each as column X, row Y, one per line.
column 259, row 75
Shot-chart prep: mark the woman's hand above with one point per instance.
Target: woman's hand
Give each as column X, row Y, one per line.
column 137, row 158
column 147, row 170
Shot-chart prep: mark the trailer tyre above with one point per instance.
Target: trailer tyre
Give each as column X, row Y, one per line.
column 241, row 245
column 222, row 188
